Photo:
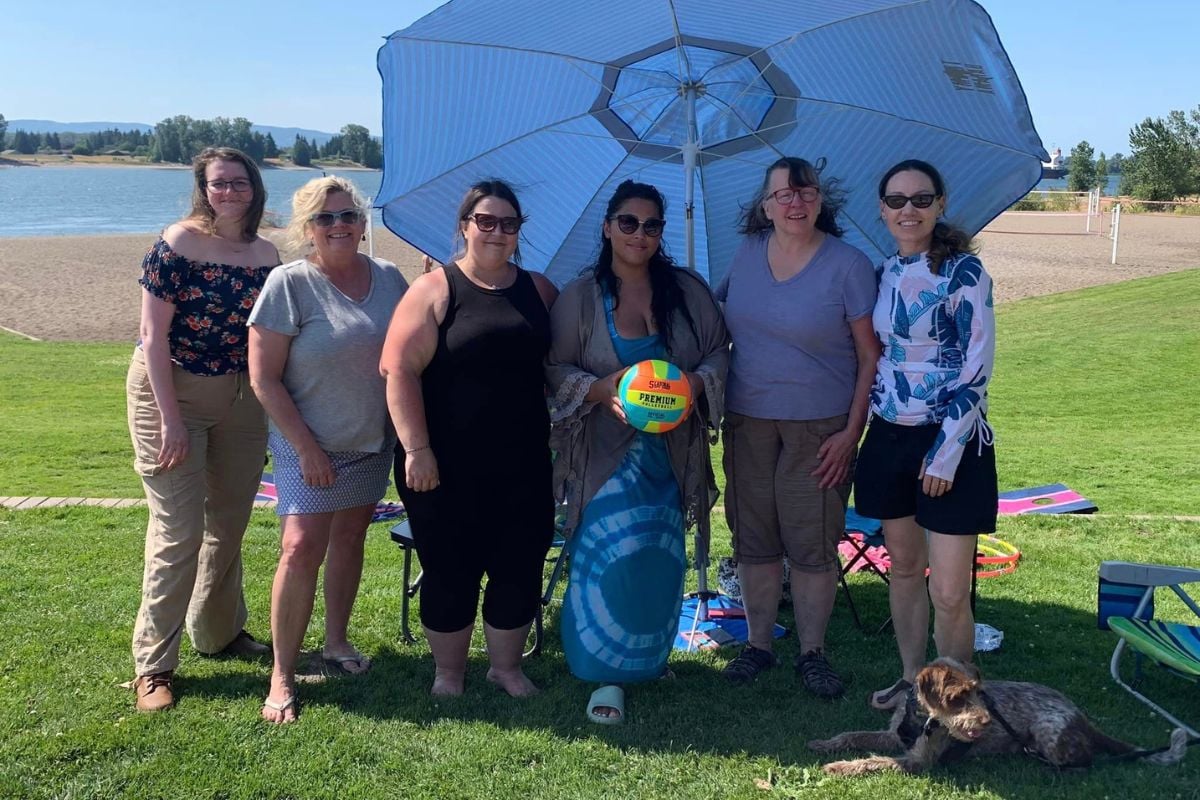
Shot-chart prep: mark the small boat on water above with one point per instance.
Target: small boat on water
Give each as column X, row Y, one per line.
column 1054, row 167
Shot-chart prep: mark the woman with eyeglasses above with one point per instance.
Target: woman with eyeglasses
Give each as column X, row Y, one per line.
column 927, row 467
column 463, row 362
column 798, row 303
column 629, row 494
column 315, row 337
column 198, row 433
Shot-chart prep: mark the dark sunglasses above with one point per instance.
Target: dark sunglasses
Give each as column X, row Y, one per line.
column 326, row 219
column 629, row 224
column 899, row 201
column 488, row 222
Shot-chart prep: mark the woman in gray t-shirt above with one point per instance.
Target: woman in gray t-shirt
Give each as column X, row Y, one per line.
column 316, row 333
column 798, row 306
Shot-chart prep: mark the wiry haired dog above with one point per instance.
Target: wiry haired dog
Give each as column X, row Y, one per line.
column 950, row 713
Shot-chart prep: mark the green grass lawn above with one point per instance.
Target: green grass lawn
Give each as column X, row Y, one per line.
column 71, row 585
column 1091, row 390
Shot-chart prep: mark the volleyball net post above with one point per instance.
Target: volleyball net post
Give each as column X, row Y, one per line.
column 1115, row 230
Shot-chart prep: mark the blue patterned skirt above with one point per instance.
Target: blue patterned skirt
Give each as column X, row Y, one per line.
column 628, row 559
column 360, row 479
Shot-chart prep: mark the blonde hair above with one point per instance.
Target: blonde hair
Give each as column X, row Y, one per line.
column 308, row 200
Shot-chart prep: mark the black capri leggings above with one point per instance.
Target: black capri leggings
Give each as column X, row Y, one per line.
column 461, row 536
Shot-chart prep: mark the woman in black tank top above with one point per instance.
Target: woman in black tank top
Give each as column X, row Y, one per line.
column 466, row 390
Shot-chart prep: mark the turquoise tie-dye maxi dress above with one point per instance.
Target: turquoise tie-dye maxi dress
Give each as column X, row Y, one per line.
column 628, row 558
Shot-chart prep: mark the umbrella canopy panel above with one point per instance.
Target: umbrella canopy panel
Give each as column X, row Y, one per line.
column 565, row 101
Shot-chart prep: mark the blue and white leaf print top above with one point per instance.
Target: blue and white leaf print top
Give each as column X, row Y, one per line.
column 939, row 346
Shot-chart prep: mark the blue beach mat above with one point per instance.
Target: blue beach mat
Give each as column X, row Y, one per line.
column 726, row 624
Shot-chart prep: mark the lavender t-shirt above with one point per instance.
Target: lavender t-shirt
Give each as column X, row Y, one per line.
column 793, row 354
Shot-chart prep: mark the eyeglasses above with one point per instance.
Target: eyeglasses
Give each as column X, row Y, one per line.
column 785, row 196
column 326, row 219
column 488, row 222
column 629, row 224
column 237, row 185
column 899, row 201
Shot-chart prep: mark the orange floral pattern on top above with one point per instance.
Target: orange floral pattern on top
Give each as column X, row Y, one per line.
column 212, row 303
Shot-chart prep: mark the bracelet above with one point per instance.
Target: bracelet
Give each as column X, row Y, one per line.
column 415, row 450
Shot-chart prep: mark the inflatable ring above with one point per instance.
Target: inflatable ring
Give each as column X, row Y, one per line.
column 996, row 553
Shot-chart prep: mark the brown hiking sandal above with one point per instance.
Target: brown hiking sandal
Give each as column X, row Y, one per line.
column 154, row 691
column 745, row 668
column 819, row 678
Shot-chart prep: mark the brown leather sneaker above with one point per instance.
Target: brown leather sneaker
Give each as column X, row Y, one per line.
column 154, row 691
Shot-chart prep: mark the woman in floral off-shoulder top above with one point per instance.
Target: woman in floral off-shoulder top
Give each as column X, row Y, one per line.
column 927, row 467
column 199, row 433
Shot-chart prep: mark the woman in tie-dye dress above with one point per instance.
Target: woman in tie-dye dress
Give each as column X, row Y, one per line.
column 927, row 467
column 629, row 494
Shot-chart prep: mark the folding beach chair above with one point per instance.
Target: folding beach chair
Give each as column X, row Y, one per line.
column 862, row 549
column 401, row 534
column 1126, row 606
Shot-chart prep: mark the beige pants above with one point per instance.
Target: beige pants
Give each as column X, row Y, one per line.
column 774, row 505
column 198, row 512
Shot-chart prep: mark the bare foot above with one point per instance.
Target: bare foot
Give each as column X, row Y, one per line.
column 512, row 681
column 448, row 683
column 281, row 706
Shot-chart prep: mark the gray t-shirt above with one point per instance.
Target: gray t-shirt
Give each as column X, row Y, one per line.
column 793, row 353
column 332, row 369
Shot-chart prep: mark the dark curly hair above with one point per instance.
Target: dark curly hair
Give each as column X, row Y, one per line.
column 666, row 293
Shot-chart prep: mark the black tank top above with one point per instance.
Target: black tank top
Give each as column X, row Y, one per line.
column 484, row 390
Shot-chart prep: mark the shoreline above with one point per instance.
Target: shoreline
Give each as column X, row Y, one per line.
column 84, row 288
column 61, row 162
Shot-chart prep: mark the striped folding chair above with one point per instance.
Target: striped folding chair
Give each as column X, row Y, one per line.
column 1126, row 607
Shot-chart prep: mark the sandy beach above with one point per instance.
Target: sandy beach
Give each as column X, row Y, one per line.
column 84, row 288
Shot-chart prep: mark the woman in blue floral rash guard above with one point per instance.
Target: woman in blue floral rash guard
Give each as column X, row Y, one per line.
column 927, row 467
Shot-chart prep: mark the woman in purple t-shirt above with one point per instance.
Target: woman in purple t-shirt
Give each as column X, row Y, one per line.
column 798, row 306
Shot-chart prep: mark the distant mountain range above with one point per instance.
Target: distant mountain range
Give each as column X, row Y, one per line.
column 283, row 136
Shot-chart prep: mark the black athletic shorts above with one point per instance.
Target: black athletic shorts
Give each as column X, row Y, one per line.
column 886, row 484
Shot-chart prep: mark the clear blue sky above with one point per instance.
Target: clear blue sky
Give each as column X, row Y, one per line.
column 1091, row 68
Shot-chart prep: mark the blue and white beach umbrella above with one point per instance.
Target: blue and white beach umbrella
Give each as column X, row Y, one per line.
column 567, row 99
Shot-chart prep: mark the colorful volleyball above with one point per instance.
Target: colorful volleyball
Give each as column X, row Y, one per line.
column 655, row 395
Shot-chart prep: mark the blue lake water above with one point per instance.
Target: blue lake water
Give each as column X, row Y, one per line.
column 1060, row 184
column 61, row 201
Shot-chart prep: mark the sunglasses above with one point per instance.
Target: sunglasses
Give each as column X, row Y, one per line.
column 326, row 219
column 629, row 224
column 237, row 185
column 488, row 222
column 899, row 201
column 785, row 196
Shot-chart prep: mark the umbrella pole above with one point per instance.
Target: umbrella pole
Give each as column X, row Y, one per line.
column 691, row 150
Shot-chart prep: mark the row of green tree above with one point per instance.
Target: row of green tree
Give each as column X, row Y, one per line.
column 354, row 143
column 1163, row 163
column 178, row 139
